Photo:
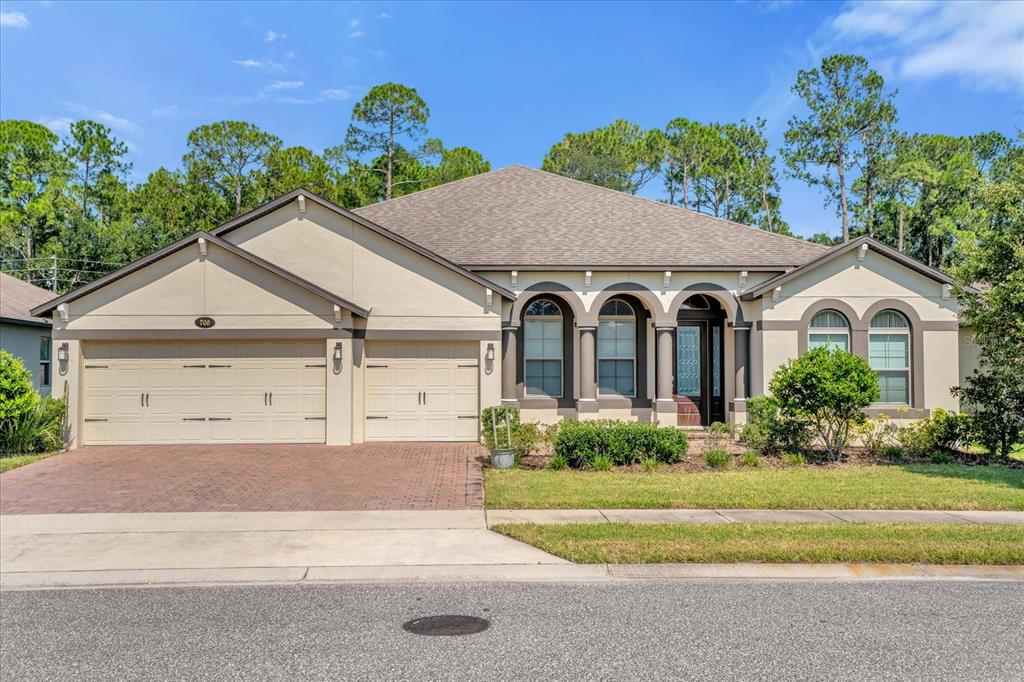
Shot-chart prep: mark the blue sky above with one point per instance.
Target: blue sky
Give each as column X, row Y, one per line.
column 506, row 79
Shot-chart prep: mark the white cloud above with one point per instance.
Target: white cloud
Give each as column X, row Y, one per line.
column 118, row 123
column 328, row 95
column 354, row 23
column 58, row 124
column 290, row 54
column 284, row 85
column 13, row 20
column 273, row 36
column 172, row 111
column 334, row 94
column 981, row 42
column 383, row 15
column 257, row 64
column 356, row 34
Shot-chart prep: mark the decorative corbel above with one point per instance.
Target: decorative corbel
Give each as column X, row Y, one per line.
column 743, row 279
column 946, row 291
column 515, row 277
column 62, row 310
column 202, row 247
column 302, row 203
column 862, row 252
column 490, row 297
column 776, row 292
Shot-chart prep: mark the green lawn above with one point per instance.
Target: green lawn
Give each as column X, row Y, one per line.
column 926, row 486
column 619, row 543
column 9, row 462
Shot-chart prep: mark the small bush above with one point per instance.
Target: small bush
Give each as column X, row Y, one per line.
column 717, row 459
column 941, row 432
column 793, row 459
column 17, row 396
column 893, row 453
column 601, row 463
column 523, row 437
column 40, row 429
column 750, row 459
column 557, row 463
column 623, row 443
column 651, row 463
column 770, row 432
column 877, row 434
column 940, row 457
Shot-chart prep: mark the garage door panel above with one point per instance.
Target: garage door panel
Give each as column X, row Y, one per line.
column 203, row 392
column 467, row 429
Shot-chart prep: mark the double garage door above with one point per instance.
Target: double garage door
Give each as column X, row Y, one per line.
column 422, row 391
column 204, row 392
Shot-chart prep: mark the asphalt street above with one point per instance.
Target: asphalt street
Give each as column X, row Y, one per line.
column 752, row 630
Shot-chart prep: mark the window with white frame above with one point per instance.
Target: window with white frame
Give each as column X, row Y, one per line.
column 889, row 356
column 829, row 329
column 616, row 349
column 542, row 353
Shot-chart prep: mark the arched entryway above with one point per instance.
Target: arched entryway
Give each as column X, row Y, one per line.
column 698, row 381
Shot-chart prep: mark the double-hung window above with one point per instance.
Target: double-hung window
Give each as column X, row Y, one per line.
column 542, row 354
column 829, row 329
column 44, row 361
column 616, row 349
column 889, row 356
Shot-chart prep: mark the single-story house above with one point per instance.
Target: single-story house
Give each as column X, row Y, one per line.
column 302, row 321
column 23, row 335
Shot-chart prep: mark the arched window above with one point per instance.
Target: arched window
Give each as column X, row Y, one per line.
column 889, row 356
column 829, row 329
column 616, row 349
column 542, row 353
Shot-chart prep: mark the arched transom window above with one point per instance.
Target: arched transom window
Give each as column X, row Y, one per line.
column 889, row 356
column 542, row 353
column 616, row 349
column 829, row 329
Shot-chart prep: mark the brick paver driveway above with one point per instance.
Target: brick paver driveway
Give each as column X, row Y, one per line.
column 188, row 478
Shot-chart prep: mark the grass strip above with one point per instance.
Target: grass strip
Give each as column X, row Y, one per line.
column 925, row 486
column 9, row 462
column 630, row 543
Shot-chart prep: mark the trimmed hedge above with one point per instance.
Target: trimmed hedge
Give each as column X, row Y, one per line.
column 581, row 444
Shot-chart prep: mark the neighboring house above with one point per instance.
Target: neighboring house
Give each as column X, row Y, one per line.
column 23, row 335
column 305, row 322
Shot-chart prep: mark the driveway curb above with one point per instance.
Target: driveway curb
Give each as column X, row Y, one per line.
column 506, row 573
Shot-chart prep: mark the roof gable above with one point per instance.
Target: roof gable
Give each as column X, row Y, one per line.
column 518, row 216
column 17, row 298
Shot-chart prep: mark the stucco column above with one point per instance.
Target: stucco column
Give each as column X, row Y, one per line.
column 509, row 356
column 588, row 384
column 664, row 406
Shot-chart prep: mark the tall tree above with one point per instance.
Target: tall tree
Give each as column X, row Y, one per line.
column 293, row 167
column 96, row 155
column 846, row 101
column 620, row 156
column 389, row 121
column 227, row 155
column 457, row 163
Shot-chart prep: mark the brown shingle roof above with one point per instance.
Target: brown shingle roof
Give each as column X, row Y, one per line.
column 18, row 297
column 518, row 216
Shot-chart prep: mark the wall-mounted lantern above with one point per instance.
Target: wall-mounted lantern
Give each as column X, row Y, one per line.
column 337, row 357
column 489, row 358
column 62, row 358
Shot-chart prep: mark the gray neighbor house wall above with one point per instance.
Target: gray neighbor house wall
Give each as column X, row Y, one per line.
column 20, row 332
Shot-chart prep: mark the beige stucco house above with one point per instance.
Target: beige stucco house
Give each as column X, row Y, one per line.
column 305, row 322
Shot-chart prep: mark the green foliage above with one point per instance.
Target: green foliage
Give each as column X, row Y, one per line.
column 940, row 433
column 558, row 462
column 579, row 442
column 225, row 156
column 38, row 429
column 17, row 395
column 717, row 459
column 793, row 459
column 830, row 388
column 847, row 107
column 769, row 431
column 600, row 462
column 876, row 434
column 750, row 459
column 496, row 426
column 620, row 156
column 651, row 463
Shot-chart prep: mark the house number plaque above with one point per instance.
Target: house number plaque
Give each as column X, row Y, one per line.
column 205, row 322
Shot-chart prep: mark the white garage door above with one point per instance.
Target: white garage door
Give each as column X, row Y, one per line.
column 422, row 391
column 204, row 392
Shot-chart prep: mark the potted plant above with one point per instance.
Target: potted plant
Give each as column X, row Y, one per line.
column 502, row 454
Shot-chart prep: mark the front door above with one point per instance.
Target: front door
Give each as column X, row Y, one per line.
column 699, row 380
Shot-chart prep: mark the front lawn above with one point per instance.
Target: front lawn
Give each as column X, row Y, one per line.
column 924, row 486
column 619, row 543
column 9, row 462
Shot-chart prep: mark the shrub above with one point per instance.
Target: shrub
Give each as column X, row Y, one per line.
column 830, row 388
column 601, row 463
column 770, row 432
column 941, row 432
column 750, row 459
column 877, row 434
column 17, row 396
column 793, row 459
column 579, row 442
column 523, row 437
column 940, row 457
column 717, row 459
column 651, row 463
column 893, row 453
column 40, row 429
column 557, row 463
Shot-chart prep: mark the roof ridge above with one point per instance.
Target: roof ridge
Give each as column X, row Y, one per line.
column 732, row 223
column 443, row 184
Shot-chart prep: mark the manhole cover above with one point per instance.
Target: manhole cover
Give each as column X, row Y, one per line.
column 446, row 626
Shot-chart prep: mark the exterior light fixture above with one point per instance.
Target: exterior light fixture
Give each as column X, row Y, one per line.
column 490, row 353
column 337, row 357
column 62, row 352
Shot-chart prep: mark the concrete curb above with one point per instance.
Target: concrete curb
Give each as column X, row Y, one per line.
column 704, row 516
column 507, row 573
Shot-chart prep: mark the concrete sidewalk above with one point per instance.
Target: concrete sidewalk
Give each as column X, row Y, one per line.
column 560, row 516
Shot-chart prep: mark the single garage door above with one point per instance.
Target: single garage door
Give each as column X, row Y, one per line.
column 422, row 391
column 204, row 392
